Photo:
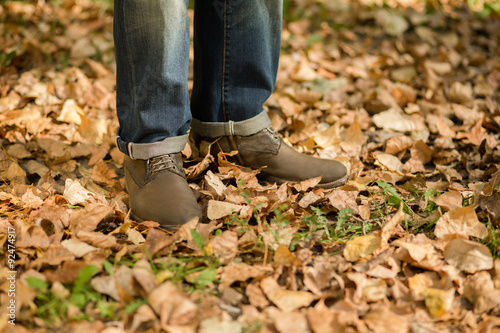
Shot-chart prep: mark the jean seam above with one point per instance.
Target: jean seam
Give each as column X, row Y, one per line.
column 130, row 61
column 224, row 63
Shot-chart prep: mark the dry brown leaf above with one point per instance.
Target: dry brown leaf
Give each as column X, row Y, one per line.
column 459, row 93
column 444, row 129
column 158, row 241
column 143, row 276
column 438, row 301
column 106, row 285
column 241, row 272
column 404, row 74
column 219, row 209
column 18, row 151
column 303, row 72
column 143, row 318
column 421, row 154
column 341, row 199
column 449, row 200
column 394, row 120
column 361, row 247
column 384, row 320
column 76, row 194
column 77, row 248
column 289, row 107
column 306, row 184
column 88, row 218
column 102, row 174
column 225, row 246
column 283, row 257
column 388, row 229
column 215, row 325
column 421, row 282
column 71, row 112
column 291, row 322
column 54, row 256
column 422, row 255
column 285, row 300
column 33, row 236
column 215, row 185
column 398, row 143
column 388, row 161
column 369, row 290
column 468, row 256
column 353, row 139
column 460, row 221
column 256, row 296
column 309, row 199
column 31, row 200
column 481, row 292
column 329, row 138
column 173, row 306
column 392, row 22
column 98, row 239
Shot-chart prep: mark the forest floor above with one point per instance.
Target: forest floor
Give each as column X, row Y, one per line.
column 409, row 98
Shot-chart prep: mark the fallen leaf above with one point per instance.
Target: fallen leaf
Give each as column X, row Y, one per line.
column 384, row 320
column 283, row 257
column 220, row 209
column 88, row 218
column 421, row 154
column 449, row 200
column 54, row 256
column 388, row 228
column 241, row 272
column 71, row 112
column 460, row 93
column 256, row 296
column 341, row 199
column 215, row 325
column 173, row 306
column 481, row 292
column 394, row 120
column 285, row 300
column 468, row 256
column 421, row 282
column 397, row 144
column 361, row 247
column 460, row 221
column 393, row 23
column 77, row 248
column 438, row 301
column 309, row 199
column 307, row 184
column 225, row 246
column 291, row 322
column 76, row 194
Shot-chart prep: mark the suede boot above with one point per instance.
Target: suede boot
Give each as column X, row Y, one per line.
column 280, row 162
column 159, row 191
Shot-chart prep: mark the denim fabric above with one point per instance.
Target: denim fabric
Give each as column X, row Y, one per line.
column 237, row 44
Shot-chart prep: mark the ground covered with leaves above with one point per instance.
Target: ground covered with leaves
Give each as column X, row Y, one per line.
column 408, row 97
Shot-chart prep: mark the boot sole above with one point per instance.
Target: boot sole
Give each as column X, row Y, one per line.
column 336, row 183
column 166, row 227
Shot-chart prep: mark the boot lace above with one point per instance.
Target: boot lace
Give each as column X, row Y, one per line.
column 273, row 132
column 159, row 163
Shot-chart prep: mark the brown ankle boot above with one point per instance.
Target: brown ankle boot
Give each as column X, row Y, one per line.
column 159, row 191
column 280, row 162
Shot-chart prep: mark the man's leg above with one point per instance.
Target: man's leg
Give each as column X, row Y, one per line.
column 152, row 54
column 237, row 46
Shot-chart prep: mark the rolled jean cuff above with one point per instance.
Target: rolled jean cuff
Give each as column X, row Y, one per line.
column 242, row 128
column 145, row 151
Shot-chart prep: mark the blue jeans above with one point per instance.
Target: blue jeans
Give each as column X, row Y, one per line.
column 236, row 53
